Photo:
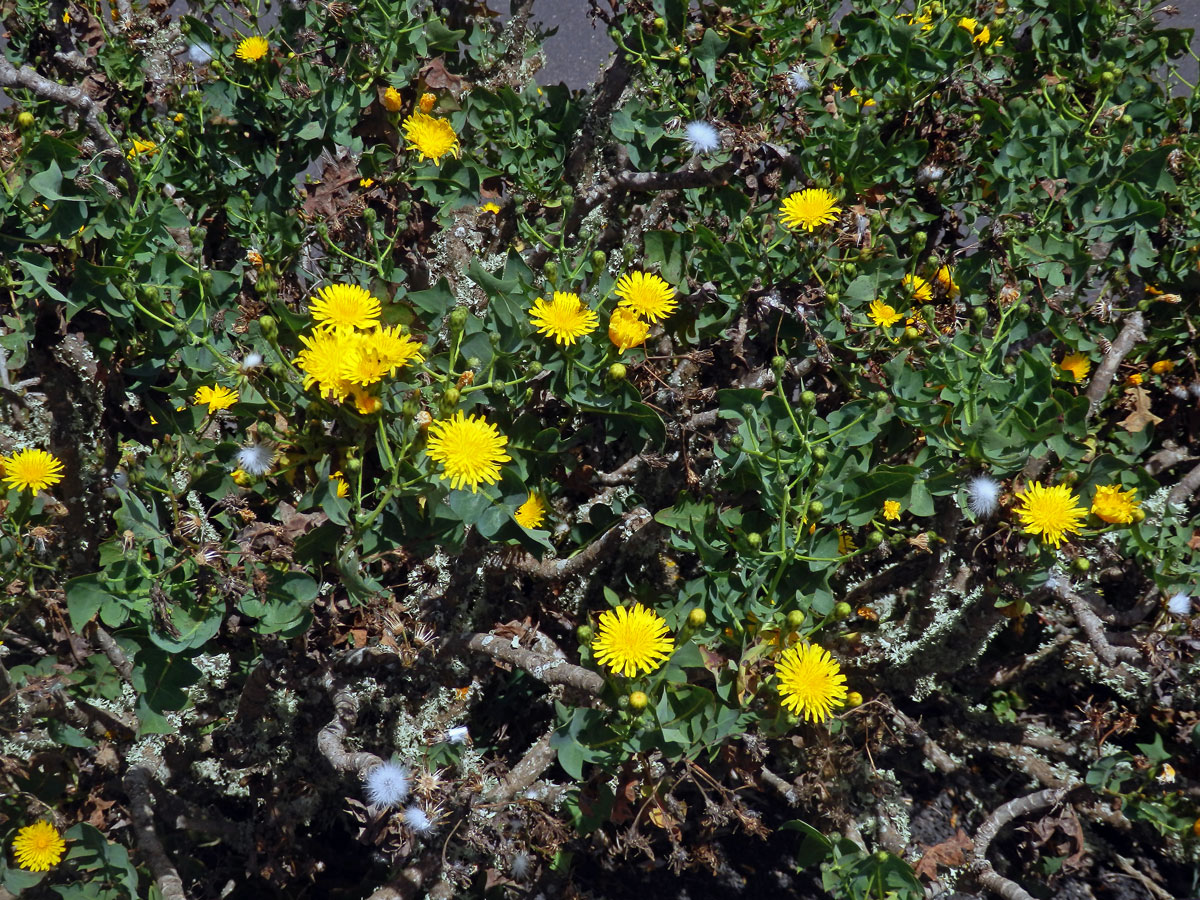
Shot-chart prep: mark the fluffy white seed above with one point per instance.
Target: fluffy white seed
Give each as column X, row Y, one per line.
column 255, row 459
column 386, row 785
column 416, row 819
column 457, row 735
column 798, row 78
column 199, row 53
column 983, row 495
column 521, row 865
column 251, row 362
column 702, row 137
column 1180, row 604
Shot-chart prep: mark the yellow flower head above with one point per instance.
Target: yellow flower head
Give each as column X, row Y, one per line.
column 564, row 318
column 1077, row 365
column 985, row 35
column 362, row 364
column 344, row 307
column 392, row 345
column 432, row 138
column 252, row 49
column 918, row 288
column 630, row 640
column 1049, row 512
column 811, row 682
column 340, row 486
column 882, row 314
column 809, row 208
column 490, row 207
column 1135, row 379
column 647, row 295
column 846, row 543
column 366, row 182
column 38, row 847
column 365, row 402
column 392, row 100
column 216, row 397
column 626, row 329
column 891, row 510
column 968, row 24
column 34, row 470
column 469, row 449
column 1162, row 367
column 532, row 512
column 945, row 279
column 321, row 362
column 1114, row 505
column 425, row 104
column 140, row 148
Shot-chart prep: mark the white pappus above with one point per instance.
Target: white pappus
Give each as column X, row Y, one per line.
column 457, row 735
column 386, row 785
column 798, row 78
column 418, row 820
column 255, row 459
column 702, row 137
column 1179, row 604
column 983, row 495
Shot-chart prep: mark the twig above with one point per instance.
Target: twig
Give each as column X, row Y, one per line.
column 1014, row 809
column 547, row 669
column 622, row 474
column 1093, row 627
column 933, row 752
column 671, row 181
column 115, row 654
column 1182, row 492
column 536, row 760
column 137, row 786
column 787, row 791
column 556, row 569
column 1170, row 455
column 1131, row 333
column 1130, row 869
column 330, row 740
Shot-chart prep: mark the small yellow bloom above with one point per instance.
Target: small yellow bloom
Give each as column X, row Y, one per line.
column 344, row 307
column 140, row 148
column 392, row 100
column 808, row 209
column 646, row 294
column 1050, row 512
column 984, row 35
column 1135, row 379
column 33, row 470
column 565, row 318
column 882, row 314
column 531, row 513
column 1077, row 365
column 1162, row 367
column 66, row 17
column 846, row 543
column 365, row 182
column 241, row 478
column 891, row 510
column 38, row 847
column 252, row 49
column 178, row 118
column 1113, row 505
column 426, row 103
column 968, row 24
column 811, row 682
column 945, row 279
column 470, row 450
column 216, row 397
column 339, row 481
column 920, row 289
column 632, row 640
column 431, row 138
column 626, row 329
column 490, row 207
column 254, row 258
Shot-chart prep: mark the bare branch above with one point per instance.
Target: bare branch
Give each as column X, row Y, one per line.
column 556, row 569
column 687, row 177
column 547, row 669
column 1093, row 627
column 330, row 740
column 1170, row 455
column 536, row 760
column 1182, row 492
column 622, row 474
column 1133, row 332
column 115, row 654
column 1003, row 815
column 933, row 752
column 137, row 786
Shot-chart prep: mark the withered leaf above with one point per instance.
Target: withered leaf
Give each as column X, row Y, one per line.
column 1141, row 416
column 950, row 854
column 435, row 75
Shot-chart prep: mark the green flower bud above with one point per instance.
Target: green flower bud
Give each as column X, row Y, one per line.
column 474, row 362
column 685, row 61
column 816, row 509
column 534, row 368
column 697, row 618
column 808, row 399
column 842, row 611
column 550, row 270
column 660, row 24
column 269, row 327
column 617, row 372
column 149, row 293
column 599, row 260
column 450, row 396
column 754, row 539
column 584, row 634
column 795, row 619
column 1023, row 310
column 25, row 119
column 875, row 538
column 206, row 279
column 458, row 318
column 494, row 338
column 819, row 453
column 128, row 290
column 1081, row 564
column 747, row 410
column 919, row 240
column 736, row 441
column 369, row 216
column 277, row 369
column 352, row 464
column 979, row 314
column 638, row 701
column 777, row 365
column 880, row 398
column 216, row 67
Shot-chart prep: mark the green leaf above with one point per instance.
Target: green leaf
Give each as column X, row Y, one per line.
column 85, row 596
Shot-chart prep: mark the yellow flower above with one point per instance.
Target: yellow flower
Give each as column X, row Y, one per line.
column 393, row 346
column 626, row 329
column 846, row 543
column 564, row 318
column 1135, row 379
column 178, row 118
column 630, row 640
column 254, row 257
column 490, row 208
column 969, row 24
column 469, row 449
column 426, row 102
column 531, row 513
column 32, row 469
column 344, row 307
column 38, row 847
column 217, row 397
column 919, row 288
column 392, row 100
column 1113, row 505
column 1077, row 365
column 1050, row 512
column 1162, row 367
column 365, row 402
column 242, row 478
column 809, row 208
column 365, row 182
column 431, row 138
column 321, row 362
column 252, row 49
column 865, row 101
column 882, row 314
column 340, row 485
column 985, row 35
column 811, row 682
column 646, row 294
column 891, row 510
column 139, row 148
column 945, row 279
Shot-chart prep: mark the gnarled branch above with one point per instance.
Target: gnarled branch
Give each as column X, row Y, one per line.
column 547, row 669
column 1133, row 331
column 1014, row 809
column 137, row 786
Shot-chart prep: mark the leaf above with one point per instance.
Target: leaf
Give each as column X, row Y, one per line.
column 85, row 596
column 1141, row 415
column 949, row 854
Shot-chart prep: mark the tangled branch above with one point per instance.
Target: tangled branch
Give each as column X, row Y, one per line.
column 1014, row 809
column 137, row 786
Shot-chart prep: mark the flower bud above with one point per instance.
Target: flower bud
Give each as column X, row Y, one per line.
column 534, row 368
column 919, row 240
column 854, row 699
column 550, row 270
column 736, row 441
column 1081, row 564
column 617, row 372
column 697, row 618
column 638, row 701
column 25, row 119
column 842, row 610
column 754, row 539
column 819, row 453
column 599, row 260
column 777, row 365
column 795, row 620
column 584, row 634
column 808, row 399
column 269, row 327
column 450, row 396
column 816, row 509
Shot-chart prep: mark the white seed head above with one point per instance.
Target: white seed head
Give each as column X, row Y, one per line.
column 199, row 53
column 521, row 865
column 457, row 735
column 1179, row 604
column 983, row 495
column 798, row 78
column 386, row 785
column 251, row 362
column 702, row 137
column 1178, row 391
column 417, row 819
column 255, row 459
